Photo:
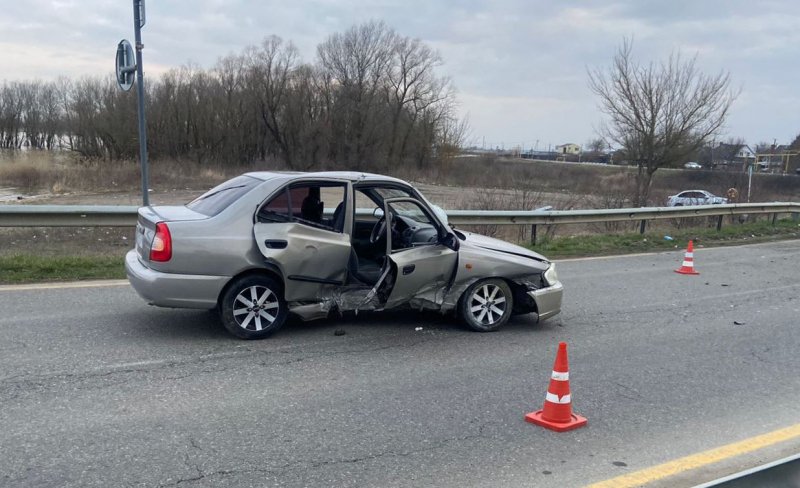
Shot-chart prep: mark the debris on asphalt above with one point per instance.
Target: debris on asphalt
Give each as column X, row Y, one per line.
column 724, row 284
column 418, row 329
column 736, row 322
column 339, row 332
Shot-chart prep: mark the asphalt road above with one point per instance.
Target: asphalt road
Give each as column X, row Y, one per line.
column 98, row 389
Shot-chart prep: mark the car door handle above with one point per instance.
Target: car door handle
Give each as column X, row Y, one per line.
column 275, row 244
column 407, row 270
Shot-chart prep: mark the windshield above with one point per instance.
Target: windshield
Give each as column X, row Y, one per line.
column 220, row 197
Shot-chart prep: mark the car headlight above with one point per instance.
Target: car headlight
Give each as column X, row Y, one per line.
column 550, row 275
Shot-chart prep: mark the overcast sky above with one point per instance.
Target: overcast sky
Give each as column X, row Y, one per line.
column 519, row 65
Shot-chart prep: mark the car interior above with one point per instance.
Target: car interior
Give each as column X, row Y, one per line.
column 305, row 202
column 410, row 227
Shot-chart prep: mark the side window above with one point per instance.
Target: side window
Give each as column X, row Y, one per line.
column 277, row 209
column 412, row 226
column 367, row 202
column 318, row 205
column 411, row 211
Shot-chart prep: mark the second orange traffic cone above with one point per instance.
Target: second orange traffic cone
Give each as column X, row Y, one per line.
column 688, row 262
column 557, row 411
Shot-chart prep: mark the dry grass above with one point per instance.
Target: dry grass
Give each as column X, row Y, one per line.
column 57, row 173
column 603, row 182
column 596, row 186
column 462, row 183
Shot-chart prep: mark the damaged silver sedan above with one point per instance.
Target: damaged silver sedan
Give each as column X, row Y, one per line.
column 266, row 244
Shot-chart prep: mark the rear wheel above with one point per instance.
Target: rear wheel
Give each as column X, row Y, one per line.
column 253, row 307
column 487, row 305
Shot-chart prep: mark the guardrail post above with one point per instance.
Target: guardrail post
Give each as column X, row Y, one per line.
column 533, row 235
column 774, row 218
column 719, row 223
column 642, row 226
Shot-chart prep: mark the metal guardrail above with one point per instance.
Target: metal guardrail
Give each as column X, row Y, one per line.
column 553, row 217
column 126, row 216
column 68, row 216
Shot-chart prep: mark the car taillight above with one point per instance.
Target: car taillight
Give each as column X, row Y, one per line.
column 162, row 244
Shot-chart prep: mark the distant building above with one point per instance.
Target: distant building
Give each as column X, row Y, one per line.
column 732, row 157
column 745, row 153
column 568, row 148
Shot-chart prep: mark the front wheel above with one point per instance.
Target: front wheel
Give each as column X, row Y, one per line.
column 253, row 307
column 486, row 305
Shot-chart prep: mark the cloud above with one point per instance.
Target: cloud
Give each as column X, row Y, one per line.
column 519, row 65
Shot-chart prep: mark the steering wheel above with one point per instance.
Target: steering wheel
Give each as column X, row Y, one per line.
column 378, row 230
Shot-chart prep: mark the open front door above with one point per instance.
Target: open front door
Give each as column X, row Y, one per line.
column 424, row 266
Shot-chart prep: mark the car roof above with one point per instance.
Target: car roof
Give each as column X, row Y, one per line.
column 354, row 176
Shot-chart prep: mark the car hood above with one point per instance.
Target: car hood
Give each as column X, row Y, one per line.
column 492, row 244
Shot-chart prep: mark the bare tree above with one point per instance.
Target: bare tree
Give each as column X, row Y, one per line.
column 356, row 61
column 659, row 113
column 270, row 69
column 596, row 145
column 412, row 88
column 372, row 100
column 796, row 143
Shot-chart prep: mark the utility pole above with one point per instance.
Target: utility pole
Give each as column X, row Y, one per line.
column 138, row 23
column 126, row 65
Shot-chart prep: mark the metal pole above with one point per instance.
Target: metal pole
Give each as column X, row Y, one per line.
column 137, row 29
column 750, row 179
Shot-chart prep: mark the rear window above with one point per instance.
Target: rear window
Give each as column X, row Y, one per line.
column 220, row 197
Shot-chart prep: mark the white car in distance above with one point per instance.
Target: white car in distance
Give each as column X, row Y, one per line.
column 694, row 197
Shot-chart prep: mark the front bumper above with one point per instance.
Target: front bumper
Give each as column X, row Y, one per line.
column 548, row 300
column 173, row 290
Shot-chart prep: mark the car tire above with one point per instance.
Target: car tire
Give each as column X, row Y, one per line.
column 473, row 308
column 247, row 317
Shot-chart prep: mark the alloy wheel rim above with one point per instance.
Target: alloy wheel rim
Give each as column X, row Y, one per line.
column 487, row 304
column 255, row 308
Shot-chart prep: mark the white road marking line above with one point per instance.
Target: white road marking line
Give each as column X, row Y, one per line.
column 59, row 286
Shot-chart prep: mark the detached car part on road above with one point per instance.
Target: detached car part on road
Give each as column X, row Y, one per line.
column 264, row 244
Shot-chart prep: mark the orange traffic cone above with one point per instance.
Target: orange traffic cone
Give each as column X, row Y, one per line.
column 688, row 262
column 557, row 411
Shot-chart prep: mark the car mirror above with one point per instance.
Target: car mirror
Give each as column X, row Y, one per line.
column 450, row 241
column 378, row 213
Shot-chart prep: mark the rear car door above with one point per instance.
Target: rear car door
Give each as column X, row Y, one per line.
column 298, row 231
column 424, row 266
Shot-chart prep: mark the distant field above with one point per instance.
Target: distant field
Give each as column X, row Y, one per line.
column 601, row 182
column 464, row 183
column 57, row 177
